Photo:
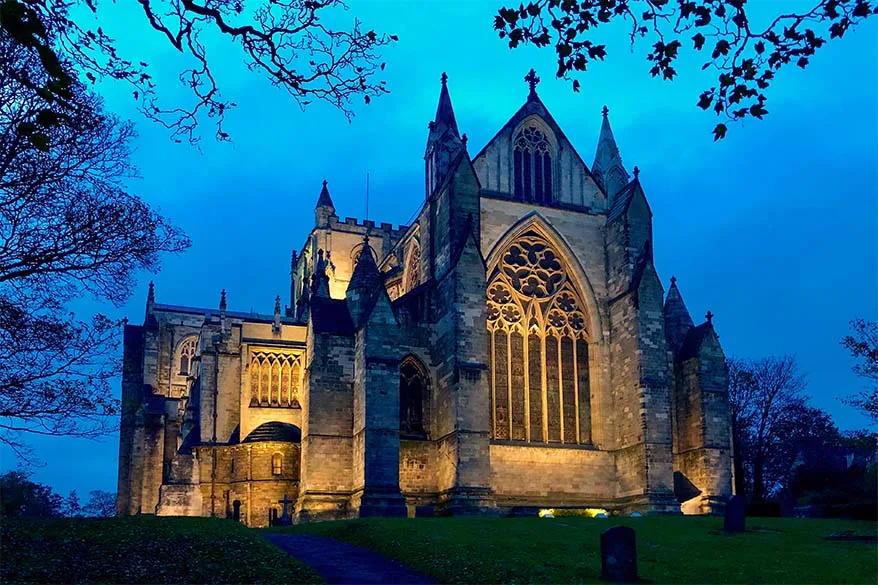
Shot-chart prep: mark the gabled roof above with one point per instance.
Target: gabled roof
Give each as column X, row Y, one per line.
column 534, row 105
column 694, row 339
column 622, row 200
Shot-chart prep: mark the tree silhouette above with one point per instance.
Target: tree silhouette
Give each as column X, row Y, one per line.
column 863, row 345
column 286, row 41
column 745, row 58
column 68, row 228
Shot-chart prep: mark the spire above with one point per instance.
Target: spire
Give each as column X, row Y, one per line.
column 364, row 286
column 444, row 112
column 324, row 208
column 678, row 322
column 150, row 299
column 608, row 167
column 222, row 304
column 325, row 200
column 443, row 142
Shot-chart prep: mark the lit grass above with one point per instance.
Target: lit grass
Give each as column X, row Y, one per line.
column 142, row 550
column 567, row 550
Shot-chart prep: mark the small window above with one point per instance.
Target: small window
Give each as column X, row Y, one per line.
column 276, row 464
column 186, row 353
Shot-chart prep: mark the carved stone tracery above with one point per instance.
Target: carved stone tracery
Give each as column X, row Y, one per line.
column 276, row 378
column 538, row 346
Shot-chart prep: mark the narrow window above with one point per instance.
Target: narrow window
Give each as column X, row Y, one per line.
column 276, row 464
column 185, row 354
column 532, row 167
column 412, row 394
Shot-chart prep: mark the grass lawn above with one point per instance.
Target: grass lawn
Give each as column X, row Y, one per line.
column 673, row 549
column 142, row 549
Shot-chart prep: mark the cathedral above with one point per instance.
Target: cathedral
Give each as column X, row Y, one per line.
column 511, row 350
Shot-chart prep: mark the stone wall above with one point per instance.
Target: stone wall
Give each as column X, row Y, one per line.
column 551, row 476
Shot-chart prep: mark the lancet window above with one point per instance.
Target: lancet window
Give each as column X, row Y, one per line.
column 538, row 347
column 532, row 166
column 412, row 395
column 412, row 273
column 185, row 354
column 275, row 378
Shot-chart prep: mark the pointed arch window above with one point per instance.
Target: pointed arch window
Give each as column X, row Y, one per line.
column 185, row 354
column 412, row 398
column 532, row 166
column 538, row 347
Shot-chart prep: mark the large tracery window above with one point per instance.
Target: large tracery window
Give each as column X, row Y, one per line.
column 275, row 378
column 532, row 166
column 538, row 344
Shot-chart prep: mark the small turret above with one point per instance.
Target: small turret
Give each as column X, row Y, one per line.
column 324, row 209
column 443, row 143
column 608, row 168
column 150, row 298
column 222, row 304
column 320, row 280
column 364, row 286
column 678, row 322
column 276, row 325
column 290, row 310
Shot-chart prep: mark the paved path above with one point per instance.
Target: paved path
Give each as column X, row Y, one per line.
column 345, row 564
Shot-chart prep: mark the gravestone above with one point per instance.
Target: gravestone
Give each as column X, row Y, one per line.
column 236, row 510
column 285, row 518
column 735, row 514
column 618, row 555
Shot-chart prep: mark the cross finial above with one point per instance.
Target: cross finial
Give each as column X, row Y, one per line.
column 636, row 172
column 605, row 111
column 444, row 78
column 709, row 318
column 532, row 80
column 673, row 281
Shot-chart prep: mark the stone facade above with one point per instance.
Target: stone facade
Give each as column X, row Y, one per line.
column 512, row 349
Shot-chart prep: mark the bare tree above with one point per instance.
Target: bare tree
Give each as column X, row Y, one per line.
column 68, row 227
column 863, row 345
column 745, row 58
column 287, row 41
column 763, row 394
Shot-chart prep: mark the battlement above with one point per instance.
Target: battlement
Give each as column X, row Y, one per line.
column 361, row 226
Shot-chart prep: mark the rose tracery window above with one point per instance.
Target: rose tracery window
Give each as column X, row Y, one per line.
column 532, row 166
column 538, row 347
column 275, row 378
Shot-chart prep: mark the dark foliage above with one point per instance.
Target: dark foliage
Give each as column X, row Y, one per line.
column 22, row 498
column 288, row 42
column 863, row 345
column 68, row 227
column 746, row 59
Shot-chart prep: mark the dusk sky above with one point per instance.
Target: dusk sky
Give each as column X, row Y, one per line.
column 773, row 229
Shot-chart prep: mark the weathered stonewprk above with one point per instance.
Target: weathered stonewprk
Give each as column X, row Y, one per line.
column 512, row 349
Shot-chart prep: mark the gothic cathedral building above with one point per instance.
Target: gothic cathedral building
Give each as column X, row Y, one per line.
column 513, row 349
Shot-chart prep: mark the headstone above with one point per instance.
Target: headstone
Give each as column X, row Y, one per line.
column 618, row 555
column 285, row 518
column 735, row 514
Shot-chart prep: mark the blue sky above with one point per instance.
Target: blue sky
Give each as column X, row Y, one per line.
column 773, row 229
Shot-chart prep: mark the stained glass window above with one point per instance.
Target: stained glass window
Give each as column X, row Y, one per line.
column 538, row 347
column 532, row 166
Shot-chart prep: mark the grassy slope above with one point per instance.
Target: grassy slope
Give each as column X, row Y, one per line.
column 565, row 550
column 142, row 550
